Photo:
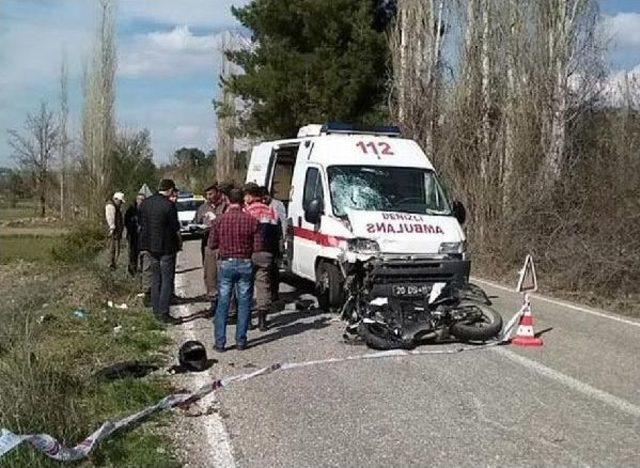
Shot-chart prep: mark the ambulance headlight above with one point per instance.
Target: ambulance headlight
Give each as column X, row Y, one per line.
column 360, row 245
column 453, row 247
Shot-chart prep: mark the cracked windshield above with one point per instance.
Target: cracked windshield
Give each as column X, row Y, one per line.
column 368, row 188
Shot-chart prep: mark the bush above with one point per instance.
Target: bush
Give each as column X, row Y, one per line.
column 81, row 244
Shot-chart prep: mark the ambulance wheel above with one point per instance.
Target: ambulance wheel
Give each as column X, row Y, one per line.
column 328, row 286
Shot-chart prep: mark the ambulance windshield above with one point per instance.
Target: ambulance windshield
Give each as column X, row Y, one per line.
column 379, row 188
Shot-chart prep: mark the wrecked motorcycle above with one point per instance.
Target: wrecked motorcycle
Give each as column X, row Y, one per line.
column 438, row 312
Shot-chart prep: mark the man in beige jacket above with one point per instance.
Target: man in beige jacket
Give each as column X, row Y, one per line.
column 115, row 223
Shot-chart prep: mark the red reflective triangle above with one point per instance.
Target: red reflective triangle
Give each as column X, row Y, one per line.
column 527, row 280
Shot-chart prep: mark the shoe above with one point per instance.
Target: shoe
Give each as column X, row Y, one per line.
column 241, row 347
column 262, row 321
column 219, row 349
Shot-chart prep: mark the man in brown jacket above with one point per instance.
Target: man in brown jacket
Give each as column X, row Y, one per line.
column 211, row 209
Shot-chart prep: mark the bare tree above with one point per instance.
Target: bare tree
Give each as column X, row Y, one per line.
column 98, row 120
column 561, row 24
column 416, row 45
column 34, row 149
column 63, row 140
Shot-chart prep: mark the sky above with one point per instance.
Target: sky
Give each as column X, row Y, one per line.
column 169, row 58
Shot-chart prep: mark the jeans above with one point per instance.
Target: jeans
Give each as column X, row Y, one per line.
column 234, row 274
column 145, row 261
column 163, row 268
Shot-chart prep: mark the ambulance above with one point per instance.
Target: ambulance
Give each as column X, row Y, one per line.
column 354, row 193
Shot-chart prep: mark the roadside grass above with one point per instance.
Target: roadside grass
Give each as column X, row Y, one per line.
column 23, row 209
column 548, row 283
column 56, row 333
column 32, row 248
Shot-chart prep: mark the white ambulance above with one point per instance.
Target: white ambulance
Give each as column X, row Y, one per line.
column 356, row 193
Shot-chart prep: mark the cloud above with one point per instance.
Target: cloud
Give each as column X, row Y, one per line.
column 214, row 14
column 624, row 29
column 172, row 53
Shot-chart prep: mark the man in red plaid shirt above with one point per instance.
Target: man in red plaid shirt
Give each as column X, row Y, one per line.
column 236, row 236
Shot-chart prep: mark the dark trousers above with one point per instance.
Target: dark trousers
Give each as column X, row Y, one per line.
column 163, row 269
column 134, row 255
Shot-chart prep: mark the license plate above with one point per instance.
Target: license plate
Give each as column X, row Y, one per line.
column 411, row 290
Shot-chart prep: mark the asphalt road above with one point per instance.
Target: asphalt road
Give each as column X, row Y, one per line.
column 573, row 402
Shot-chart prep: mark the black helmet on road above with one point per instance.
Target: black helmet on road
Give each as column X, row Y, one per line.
column 193, row 356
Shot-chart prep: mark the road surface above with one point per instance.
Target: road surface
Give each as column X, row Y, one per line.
column 575, row 401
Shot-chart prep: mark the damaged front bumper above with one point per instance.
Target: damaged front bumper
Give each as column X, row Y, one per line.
column 411, row 275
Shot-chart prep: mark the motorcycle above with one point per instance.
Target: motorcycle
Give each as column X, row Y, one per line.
column 448, row 312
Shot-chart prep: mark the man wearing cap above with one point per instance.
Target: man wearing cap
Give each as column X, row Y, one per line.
column 214, row 206
column 236, row 236
column 115, row 224
column 160, row 238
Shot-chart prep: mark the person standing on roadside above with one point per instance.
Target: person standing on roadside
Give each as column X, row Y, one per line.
column 214, row 206
column 160, row 237
column 115, row 224
column 263, row 259
column 236, row 236
column 281, row 211
column 132, row 223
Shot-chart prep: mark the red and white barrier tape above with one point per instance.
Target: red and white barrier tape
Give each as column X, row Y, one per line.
column 54, row 449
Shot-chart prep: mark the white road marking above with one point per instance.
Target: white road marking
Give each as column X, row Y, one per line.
column 219, row 442
column 574, row 384
column 568, row 305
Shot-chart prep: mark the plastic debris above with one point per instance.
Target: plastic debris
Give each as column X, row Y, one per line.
column 80, row 313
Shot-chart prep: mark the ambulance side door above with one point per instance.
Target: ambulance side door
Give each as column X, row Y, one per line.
column 302, row 248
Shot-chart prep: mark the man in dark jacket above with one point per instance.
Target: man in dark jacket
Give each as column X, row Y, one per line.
column 160, row 237
column 132, row 223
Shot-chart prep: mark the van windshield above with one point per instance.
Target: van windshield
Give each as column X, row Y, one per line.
column 188, row 205
column 380, row 188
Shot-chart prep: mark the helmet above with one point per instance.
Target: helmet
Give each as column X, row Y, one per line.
column 193, row 356
column 119, row 196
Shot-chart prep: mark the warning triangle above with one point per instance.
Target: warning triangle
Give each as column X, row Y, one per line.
column 527, row 280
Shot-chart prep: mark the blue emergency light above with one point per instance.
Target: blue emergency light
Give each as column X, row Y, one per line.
column 352, row 129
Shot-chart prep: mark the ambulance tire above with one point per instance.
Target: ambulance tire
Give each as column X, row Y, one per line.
column 329, row 283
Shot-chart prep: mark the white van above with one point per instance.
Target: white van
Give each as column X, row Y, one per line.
column 356, row 193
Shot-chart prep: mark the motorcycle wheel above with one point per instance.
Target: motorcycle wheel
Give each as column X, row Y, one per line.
column 377, row 337
column 487, row 327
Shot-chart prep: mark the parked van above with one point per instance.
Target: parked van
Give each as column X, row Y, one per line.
column 355, row 193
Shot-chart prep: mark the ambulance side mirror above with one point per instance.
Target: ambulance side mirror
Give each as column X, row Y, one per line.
column 459, row 211
column 313, row 211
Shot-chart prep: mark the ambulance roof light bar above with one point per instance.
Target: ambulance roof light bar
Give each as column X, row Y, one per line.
column 350, row 129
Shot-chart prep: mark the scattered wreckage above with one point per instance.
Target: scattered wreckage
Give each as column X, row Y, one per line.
column 440, row 312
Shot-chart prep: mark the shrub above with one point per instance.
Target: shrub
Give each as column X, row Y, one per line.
column 83, row 243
